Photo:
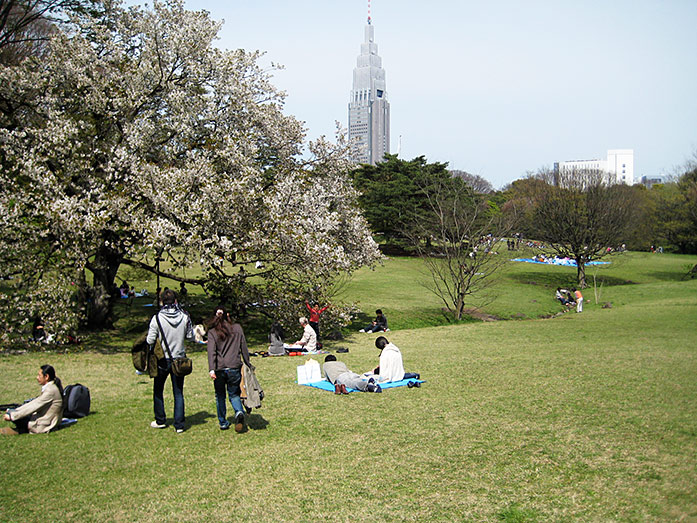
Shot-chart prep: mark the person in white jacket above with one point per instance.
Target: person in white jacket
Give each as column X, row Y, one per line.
column 391, row 367
column 309, row 339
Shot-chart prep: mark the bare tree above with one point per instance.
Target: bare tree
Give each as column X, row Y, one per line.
column 461, row 233
column 26, row 25
column 580, row 216
column 478, row 184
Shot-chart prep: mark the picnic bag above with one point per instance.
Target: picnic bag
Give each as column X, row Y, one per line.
column 144, row 358
column 139, row 353
column 76, row 401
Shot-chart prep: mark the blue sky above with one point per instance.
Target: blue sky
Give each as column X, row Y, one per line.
column 496, row 88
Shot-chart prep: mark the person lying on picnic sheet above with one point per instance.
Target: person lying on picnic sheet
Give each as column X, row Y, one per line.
column 338, row 374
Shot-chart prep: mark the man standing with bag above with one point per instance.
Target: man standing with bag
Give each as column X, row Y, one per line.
column 172, row 325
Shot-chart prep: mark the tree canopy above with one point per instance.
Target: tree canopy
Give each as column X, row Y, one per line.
column 132, row 138
column 392, row 195
column 580, row 216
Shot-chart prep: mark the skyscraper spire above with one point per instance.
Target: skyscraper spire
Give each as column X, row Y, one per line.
column 369, row 110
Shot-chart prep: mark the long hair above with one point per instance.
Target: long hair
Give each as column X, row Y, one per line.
column 48, row 370
column 277, row 329
column 221, row 323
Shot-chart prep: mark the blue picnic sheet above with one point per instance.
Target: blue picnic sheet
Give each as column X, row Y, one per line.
column 325, row 385
column 562, row 262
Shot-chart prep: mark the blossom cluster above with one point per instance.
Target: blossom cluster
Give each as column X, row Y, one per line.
column 133, row 134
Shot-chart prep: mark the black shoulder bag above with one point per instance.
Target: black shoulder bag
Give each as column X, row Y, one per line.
column 180, row 366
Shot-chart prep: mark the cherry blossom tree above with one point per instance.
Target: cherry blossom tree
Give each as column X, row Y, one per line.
column 134, row 137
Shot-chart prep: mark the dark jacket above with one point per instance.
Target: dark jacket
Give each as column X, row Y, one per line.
column 228, row 353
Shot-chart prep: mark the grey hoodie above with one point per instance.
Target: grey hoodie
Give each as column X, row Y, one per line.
column 176, row 325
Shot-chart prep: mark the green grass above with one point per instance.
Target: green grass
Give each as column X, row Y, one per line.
column 586, row 417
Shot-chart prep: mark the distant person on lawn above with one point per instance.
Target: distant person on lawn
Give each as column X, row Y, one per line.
column 309, row 339
column 183, row 294
column 338, row 374
column 176, row 327
column 579, row 300
column 561, row 294
column 379, row 324
column 315, row 312
column 227, row 350
column 41, row 414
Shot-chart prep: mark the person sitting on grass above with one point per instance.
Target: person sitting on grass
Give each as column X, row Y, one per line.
column 41, row 414
column 561, row 295
column 309, row 339
column 338, row 374
column 276, row 337
column 391, row 367
column 378, row 325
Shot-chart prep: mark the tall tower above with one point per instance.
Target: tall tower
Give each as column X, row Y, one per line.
column 369, row 110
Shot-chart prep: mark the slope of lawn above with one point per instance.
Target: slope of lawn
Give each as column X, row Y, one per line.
column 588, row 417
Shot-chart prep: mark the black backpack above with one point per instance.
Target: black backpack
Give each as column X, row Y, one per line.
column 76, row 401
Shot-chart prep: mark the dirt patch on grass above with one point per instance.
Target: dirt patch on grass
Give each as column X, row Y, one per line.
column 479, row 315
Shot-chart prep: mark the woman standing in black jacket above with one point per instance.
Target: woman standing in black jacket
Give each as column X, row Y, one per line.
column 227, row 349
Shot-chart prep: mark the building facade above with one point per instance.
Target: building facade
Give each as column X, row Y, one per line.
column 369, row 108
column 618, row 166
column 650, row 181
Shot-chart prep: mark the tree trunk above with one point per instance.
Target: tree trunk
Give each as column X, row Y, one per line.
column 581, row 272
column 100, row 300
column 459, row 308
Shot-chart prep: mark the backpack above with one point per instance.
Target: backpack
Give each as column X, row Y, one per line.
column 76, row 401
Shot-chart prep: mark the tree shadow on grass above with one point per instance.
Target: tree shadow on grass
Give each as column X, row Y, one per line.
column 360, row 321
column 563, row 280
column 670, row 276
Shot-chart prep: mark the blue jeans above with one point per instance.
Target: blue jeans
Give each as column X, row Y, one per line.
column 164, row 369
column 227, row 379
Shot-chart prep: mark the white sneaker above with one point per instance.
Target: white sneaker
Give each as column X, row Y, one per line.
column 179, row 431
column 362, row 330
column 156, row 425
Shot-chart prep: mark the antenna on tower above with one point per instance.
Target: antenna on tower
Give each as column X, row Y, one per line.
column 369, row 12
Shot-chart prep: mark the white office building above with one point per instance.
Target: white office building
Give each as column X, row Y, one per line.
column 369, row 110
column 618, row 166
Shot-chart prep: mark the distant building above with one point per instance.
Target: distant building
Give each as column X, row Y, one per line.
column 369, row 110
column 619, row 166
column 650, row 181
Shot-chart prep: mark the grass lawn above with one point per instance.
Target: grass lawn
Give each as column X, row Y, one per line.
column 589, row 417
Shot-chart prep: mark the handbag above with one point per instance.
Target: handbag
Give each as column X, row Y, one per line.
column 139, row 353
column 180, row 366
